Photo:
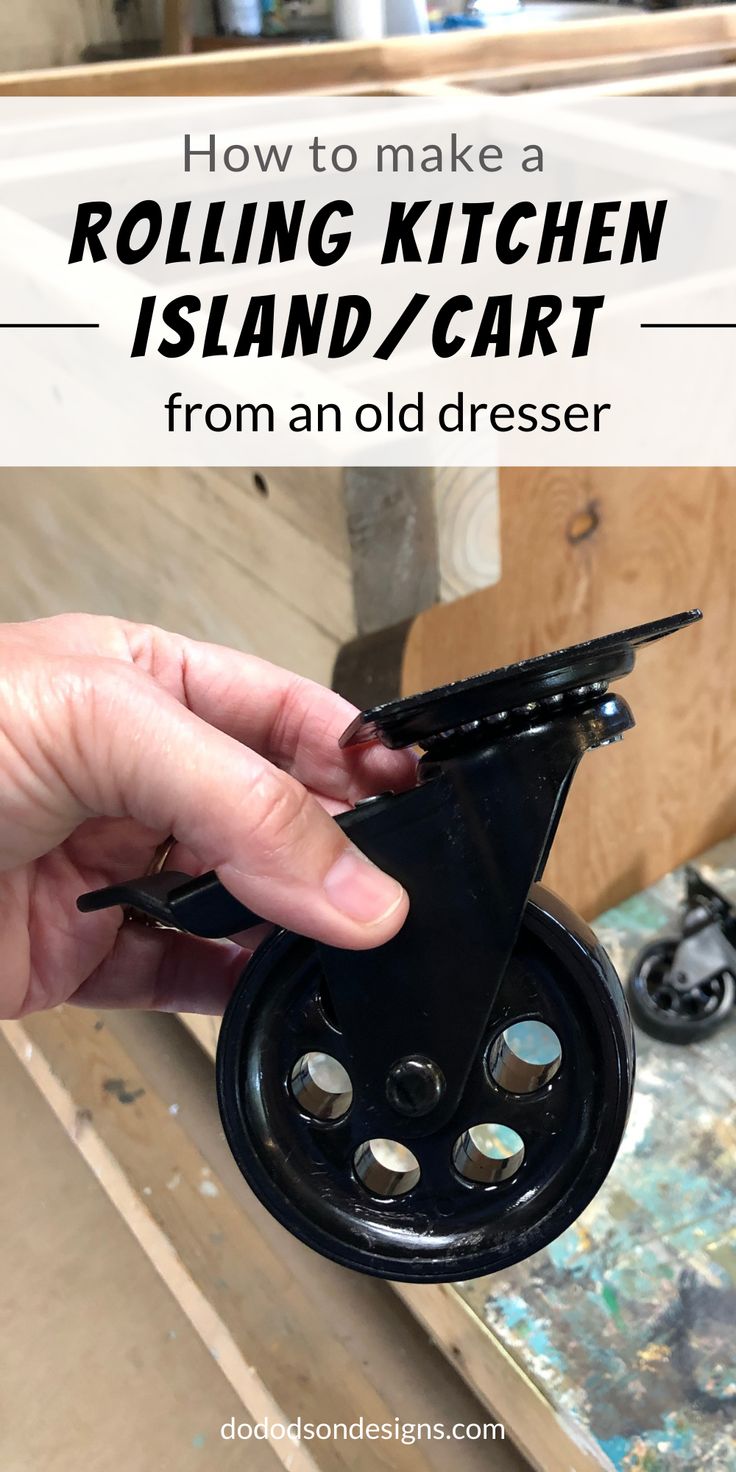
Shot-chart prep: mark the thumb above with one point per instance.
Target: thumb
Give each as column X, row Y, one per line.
column 147, row 757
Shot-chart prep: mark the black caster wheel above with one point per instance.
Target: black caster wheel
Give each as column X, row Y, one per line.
column 668, row 1013
column 534, row 1135
column 446, row 1104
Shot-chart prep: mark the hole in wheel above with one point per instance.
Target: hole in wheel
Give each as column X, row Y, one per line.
column 524, row 1056
column 704, row 999
column 321, row 1086
column 488, row 1153
column 386, row 1168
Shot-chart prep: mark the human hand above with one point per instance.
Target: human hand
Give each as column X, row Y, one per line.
column 114, row 735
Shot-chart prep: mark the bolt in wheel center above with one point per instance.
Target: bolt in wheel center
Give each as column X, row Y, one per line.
column 415, row 1086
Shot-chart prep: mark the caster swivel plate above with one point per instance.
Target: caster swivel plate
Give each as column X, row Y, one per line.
column 447, row 1104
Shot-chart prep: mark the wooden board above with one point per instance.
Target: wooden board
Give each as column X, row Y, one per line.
column 289, row 564
column 699, row 81
column 291, row 1334
column 98, row 1363
column 204, row 552
column 346, row 67
column 599, row 72
column 583, row 553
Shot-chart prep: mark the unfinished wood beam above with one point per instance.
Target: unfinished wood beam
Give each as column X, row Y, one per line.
column 342, row 67
column 715, row 81
column 553, row 1443
column 583, row 70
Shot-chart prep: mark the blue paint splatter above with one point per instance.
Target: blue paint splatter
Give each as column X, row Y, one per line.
column 615, row 1448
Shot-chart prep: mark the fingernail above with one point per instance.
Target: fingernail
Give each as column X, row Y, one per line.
column 355, row 886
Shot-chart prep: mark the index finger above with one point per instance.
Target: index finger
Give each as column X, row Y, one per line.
column 292, row 721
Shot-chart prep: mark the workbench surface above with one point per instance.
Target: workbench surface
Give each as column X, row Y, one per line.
column 626, row 1322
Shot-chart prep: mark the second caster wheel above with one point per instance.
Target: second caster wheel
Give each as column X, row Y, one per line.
column 669, row 1012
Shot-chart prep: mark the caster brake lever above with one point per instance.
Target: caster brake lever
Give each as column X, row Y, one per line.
column 200, row 906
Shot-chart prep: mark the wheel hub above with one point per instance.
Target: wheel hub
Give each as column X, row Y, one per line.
column 533, row 1135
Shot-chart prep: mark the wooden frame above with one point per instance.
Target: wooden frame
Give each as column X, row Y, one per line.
column 701, row 36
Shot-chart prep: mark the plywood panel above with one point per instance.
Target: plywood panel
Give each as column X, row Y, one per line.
column 99, row 1366
column 585, row 552
column 201, row 552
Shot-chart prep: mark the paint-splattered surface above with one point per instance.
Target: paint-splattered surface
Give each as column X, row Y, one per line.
column 628, row 1321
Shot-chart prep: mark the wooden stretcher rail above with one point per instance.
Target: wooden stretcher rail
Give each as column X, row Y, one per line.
column 345, row 67
column 594, row 71
column 716, row 81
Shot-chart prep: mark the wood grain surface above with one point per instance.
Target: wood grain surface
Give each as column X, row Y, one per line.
column 257, row 559
column 596, row 70
column 350, row 66
column 99, row 1365
column 584, row 552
